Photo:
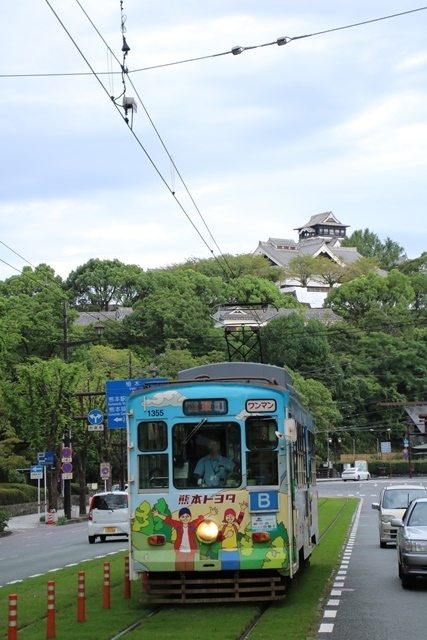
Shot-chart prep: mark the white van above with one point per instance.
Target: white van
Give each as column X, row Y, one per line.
column 393, row 502
column 108, row 515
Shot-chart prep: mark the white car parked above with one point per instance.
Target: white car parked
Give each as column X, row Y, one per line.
column 355, row 473
column 108, row 515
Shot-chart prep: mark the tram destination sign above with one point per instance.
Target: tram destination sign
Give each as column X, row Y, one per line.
column 117, row 391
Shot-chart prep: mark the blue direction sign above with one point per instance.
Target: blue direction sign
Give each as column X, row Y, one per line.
column 46, row 458
column 95, row 416
column 116, row 393
column 36, row 472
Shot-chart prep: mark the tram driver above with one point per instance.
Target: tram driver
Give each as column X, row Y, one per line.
column 212, row 469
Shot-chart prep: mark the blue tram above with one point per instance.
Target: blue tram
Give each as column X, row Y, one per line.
column 222, row 484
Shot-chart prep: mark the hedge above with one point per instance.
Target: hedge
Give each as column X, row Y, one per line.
column 18, row 493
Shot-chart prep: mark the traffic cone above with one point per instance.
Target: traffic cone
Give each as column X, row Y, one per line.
column 50, row 517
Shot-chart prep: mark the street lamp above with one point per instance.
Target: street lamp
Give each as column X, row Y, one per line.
column 99, row 328
column 378, row 446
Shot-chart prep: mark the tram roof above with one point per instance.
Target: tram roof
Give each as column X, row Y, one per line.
column 248, row 370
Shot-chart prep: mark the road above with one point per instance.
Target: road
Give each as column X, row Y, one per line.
column 367, row 600
column 31, row 551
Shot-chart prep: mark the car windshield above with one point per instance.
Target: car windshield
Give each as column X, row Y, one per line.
column 400, row 498
column 110, row 501
column 418, row 517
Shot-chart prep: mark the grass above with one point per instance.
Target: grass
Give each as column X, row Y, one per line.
column 298, row 614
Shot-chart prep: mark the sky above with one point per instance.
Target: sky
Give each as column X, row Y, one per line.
column 223, row 150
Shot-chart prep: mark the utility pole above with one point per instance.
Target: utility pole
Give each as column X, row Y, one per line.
column 99, row 327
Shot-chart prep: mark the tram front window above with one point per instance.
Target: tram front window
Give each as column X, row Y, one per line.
column 261, row 457
column 206, row 454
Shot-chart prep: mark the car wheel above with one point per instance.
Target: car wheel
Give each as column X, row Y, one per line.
column 91, row 539
column 103, row 538
column 344, row 480
column 399, row 570
column 383, row 545
column 407, row 581
column 368, row 477
column 358, row 478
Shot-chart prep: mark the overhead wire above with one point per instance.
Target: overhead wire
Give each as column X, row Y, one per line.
column 233, row 51
column 131, row 130
column 125, row 72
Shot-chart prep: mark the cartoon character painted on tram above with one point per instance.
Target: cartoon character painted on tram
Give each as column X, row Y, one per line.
column 227, row 536
column 185, row 544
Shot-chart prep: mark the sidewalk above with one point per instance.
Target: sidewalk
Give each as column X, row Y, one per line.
column 19, row 523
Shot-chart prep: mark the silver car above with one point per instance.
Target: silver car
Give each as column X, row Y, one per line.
column 393, row 501
column 412, row 542
column 108, row 515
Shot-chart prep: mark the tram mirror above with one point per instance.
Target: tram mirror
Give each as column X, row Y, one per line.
column 290, row 430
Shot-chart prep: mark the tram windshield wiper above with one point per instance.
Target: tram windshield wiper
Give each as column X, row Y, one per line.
column 195, row 430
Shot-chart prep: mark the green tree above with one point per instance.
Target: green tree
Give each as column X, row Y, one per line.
column 371, row 300
column 41, row 406
column 368, row 244
column 228, row 267
column 250, row 289
column 318, row 399
column 298, row 344
column 302, row 268
column 329, row 271
column 99, row 284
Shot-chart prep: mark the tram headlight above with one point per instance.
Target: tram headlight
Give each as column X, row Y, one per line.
column 207, row 531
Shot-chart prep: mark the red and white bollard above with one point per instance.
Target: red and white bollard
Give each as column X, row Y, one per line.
column 12, row 633
column 81, row 602
column 50, row 622
column 126, row 591
column 106, row 595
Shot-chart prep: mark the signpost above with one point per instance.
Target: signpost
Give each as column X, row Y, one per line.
column 105, row 472
column 116, row 393
column 36, row 473
column 46, row 459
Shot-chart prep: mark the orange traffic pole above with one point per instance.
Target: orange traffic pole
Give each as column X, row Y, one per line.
column 12, row 633
column 126, row 591
column 81, row 602
column 106, row 596
column 50, row 626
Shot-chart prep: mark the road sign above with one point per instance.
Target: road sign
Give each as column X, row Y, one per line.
column 66, row 467
column 67, row 476
column 386, row 447
column 46, row 458
column 104, row 470
column 36, row 472
column 95, row 416
column 95, row 427
column 405, row 442
column 66, row 454
column 117, row 392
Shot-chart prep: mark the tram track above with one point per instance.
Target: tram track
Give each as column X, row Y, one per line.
column 255, row 620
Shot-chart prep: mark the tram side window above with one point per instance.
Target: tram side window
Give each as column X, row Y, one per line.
column 300, row 457
column 261, row 457
column 152, row 467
